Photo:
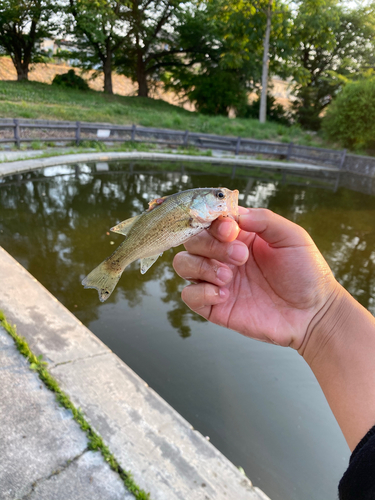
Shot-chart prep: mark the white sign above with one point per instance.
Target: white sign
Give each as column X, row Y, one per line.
column 102, row 132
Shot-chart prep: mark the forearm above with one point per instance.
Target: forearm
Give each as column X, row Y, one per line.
column 340, row 349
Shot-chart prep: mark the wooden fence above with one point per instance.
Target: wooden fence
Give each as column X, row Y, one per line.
column 18, row 131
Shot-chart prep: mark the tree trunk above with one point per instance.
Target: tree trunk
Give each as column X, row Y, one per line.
column 141, row 77
column 266, row 45
column 22, row 71
column 107, row 70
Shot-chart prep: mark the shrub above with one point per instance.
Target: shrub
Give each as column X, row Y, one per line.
column 216, row 92
column 350, row 119
column 70, row 80
column 275, row 112
column 306, row 111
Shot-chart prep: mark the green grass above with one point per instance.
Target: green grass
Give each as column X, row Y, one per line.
column 95, row 442
column 44, row 101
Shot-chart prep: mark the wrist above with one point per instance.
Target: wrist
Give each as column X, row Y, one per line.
column 327, row 323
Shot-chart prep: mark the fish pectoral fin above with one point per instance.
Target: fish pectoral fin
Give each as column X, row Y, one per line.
column 125, row 226
column 147, row 262
column 154, row 203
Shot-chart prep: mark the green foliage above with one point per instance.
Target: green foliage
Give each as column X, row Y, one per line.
column 330, row 41
column 96, row 28
column 154, row 43
column 71, row 80
column 24, row 25
column 226, row 51
column 95, row 442
column 243, row 25
column 350, row 119
column 215, row 92
column 135, row 37
column 36, row 145
column 275, row 111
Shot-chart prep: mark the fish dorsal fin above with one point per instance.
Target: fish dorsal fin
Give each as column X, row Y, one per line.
column 154, row 203
column 147, row 262
column 125, row 226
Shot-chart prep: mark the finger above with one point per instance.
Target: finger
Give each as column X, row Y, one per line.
column 200, row 298
column 206, row 245
column 274, row 229
column 224, row 229
column 194, row 267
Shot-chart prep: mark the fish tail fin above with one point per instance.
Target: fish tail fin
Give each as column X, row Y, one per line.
column 103, row 280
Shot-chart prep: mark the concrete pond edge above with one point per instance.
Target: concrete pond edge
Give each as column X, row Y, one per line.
column 15, row 167
column 95, row 442
column 166, row 456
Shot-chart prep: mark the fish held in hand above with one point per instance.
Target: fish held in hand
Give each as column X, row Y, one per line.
column 168, row 222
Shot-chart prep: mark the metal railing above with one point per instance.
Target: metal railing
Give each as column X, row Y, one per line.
column 17, row 131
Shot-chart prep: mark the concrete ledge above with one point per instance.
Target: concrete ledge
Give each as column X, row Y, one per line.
column 44, row 453
column 26, row 165
column 148, row 437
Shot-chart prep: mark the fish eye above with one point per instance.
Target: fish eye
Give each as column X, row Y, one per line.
column 220, row 195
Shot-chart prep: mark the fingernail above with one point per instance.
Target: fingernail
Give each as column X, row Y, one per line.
column 222, row 292
column 224, row 274
column 225, row 229
column 238, row 252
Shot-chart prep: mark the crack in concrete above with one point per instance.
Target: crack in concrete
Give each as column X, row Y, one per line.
column 51, row 367
column 56, row 472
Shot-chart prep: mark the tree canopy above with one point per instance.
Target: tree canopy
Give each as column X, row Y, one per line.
column 24, row 25
column 97, row 29
column 229, row 66
column 211, row 51
column 329, row 40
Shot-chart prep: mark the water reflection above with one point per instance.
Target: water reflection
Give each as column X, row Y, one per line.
column 58, row 220
column 253, row 400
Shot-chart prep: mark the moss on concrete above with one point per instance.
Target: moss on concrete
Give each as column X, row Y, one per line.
column 95, row 442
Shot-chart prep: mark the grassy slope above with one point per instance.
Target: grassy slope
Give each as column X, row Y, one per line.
column 40, row 100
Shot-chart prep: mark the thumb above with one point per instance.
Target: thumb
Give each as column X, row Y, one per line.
column 275, row 230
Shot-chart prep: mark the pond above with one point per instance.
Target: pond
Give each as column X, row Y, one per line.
column 259, row 404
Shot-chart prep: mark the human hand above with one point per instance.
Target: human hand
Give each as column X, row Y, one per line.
column 265, row 279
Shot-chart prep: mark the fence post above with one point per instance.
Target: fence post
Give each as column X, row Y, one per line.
column 133, row 132
column 233, row 172
column 238, row 145
column 289, row 152
column 342, row 159
column 186, row 138
column 78, row 133
column 17, row 138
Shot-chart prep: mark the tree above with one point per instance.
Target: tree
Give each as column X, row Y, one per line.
column 135, row 37
column 200, row 72
column 151, row 43
column 230, row 66
column 266, row 44
column 24, row 24
column 329, row 40
column 98, row 29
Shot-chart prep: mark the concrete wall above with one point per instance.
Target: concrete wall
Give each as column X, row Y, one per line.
column 165, row 454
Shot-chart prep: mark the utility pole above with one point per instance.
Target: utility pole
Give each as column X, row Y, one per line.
column 266, row 47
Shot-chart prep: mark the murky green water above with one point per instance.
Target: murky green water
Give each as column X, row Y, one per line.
column 260, row 404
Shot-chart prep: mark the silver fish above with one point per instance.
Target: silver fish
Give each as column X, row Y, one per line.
column 168, row 222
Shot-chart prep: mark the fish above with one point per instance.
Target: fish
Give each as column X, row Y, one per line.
column 168, row 222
